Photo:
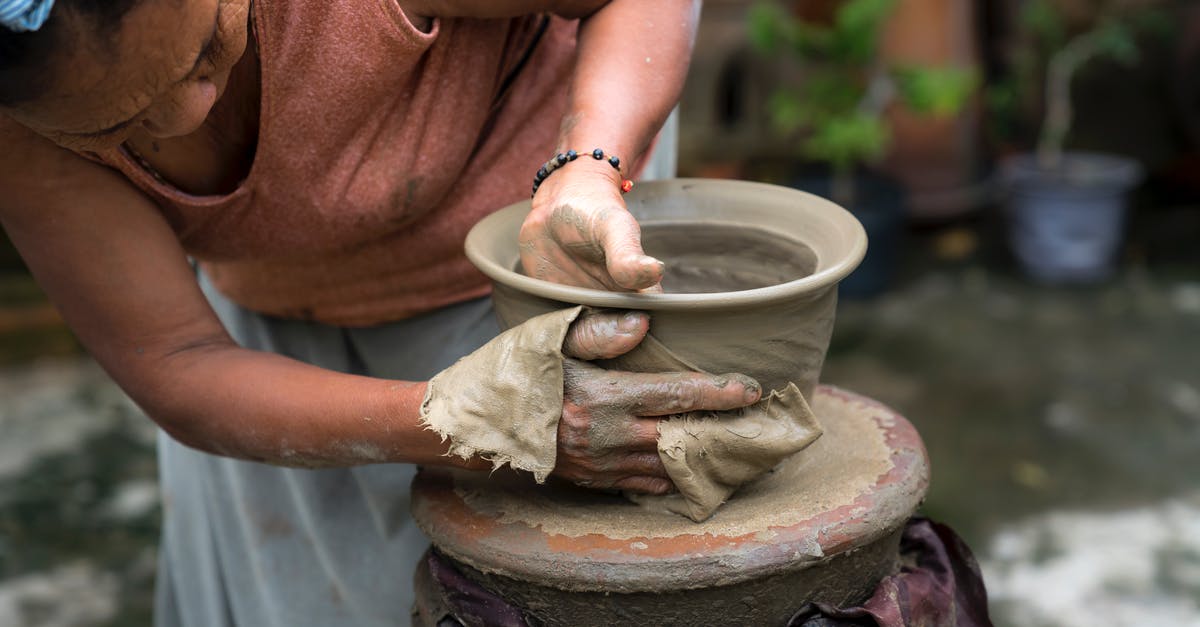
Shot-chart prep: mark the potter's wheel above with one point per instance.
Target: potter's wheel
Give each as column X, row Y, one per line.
column 822, row 526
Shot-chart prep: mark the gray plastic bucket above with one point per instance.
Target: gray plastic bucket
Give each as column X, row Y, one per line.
column 1066, row 224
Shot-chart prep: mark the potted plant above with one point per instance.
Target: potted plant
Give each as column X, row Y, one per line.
column 835, row 108
column 1067, row 209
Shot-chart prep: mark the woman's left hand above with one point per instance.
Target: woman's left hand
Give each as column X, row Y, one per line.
column 580, row 233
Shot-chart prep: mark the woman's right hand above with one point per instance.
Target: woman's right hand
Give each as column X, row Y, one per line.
column 608, row 434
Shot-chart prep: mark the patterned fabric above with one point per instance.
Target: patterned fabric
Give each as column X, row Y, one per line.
column 24, row 15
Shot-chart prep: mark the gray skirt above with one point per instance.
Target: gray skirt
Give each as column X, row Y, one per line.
column 258, row 545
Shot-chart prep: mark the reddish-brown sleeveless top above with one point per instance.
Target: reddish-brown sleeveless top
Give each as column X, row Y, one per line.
column 379, row 147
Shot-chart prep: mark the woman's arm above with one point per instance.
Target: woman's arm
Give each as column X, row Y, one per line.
column 633, row 59
column 112, row 265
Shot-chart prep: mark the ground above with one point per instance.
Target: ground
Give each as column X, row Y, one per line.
column 1063, row 426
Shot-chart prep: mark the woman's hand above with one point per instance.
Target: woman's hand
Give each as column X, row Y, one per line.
column 580, row 233
column 608, row 434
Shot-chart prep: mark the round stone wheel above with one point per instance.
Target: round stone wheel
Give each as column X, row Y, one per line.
column 822, row 527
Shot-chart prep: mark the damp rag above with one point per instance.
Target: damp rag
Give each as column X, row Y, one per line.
column 710, row 454
column 23, row 16
column 511, row 417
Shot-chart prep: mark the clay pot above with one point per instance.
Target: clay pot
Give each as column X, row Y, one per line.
column 768, row 257
column 881, row 205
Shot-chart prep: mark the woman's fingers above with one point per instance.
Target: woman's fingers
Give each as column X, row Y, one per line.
column 680, row 392
column 579, row 232
column 543, row 259
column 644, row 465
column 605, row 334
column 621, row 239
column 645, row 485
column 644, row 435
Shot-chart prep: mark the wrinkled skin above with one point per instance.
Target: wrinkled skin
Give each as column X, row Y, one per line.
column 157, row 77
column 580, row 233
column 608, row 434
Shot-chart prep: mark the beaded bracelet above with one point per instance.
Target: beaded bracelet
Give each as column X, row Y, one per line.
column 563, row 158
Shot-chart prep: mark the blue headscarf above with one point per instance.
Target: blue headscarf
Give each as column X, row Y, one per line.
column 24, row 15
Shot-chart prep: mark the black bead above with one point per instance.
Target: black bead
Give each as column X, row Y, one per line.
column 572, row 155
column 597, row 154
column 616, row 163
column 561, row 158
column 542, row 172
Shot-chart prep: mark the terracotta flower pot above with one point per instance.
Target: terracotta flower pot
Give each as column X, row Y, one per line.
column 752, row 271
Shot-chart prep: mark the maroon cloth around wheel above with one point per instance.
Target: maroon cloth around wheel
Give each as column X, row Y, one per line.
column 938, row 585
column 472, row 605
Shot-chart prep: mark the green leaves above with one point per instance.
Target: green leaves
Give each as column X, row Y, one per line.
column 847, row 139
column 1042, row 19
column 767, row 23
column 857, row 27
column 935, row 91
column 833, row 106
column 1116, row 40
column 852, row 38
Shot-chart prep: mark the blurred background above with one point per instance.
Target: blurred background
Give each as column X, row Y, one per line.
column 1029, row 175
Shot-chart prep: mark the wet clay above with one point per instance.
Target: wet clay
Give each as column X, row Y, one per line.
column 716, row 257
column 503, row 401
column 709, row 455
column 836, row 468
column 823, row 526
column 752, row 271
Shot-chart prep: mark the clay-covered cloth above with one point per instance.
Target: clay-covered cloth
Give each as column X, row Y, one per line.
column 939, row 584
column 503, row 402
column 709, row 455
column 379, row 146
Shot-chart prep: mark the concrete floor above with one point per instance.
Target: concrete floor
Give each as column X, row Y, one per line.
column 1063, row 427
column 1064, row 432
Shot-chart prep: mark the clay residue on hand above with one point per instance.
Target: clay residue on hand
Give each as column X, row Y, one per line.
column 709, row 455
column 843, row 464
column 503, row 401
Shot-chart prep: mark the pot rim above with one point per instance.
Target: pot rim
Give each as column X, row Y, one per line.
column 1108, row 170
column 813, row 284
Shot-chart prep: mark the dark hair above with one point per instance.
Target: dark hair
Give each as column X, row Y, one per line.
column 25, row 57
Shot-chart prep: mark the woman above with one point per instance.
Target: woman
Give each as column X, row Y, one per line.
column 323, row 160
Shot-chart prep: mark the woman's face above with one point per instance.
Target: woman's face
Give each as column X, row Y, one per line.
column 159, row 74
